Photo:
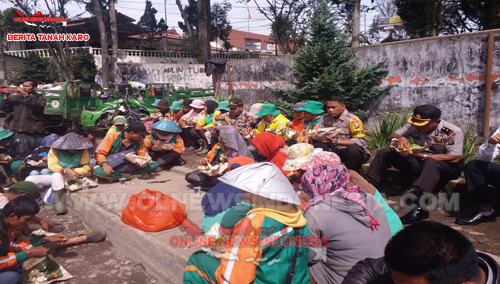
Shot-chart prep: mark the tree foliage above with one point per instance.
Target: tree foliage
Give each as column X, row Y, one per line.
column 150, row 27
column 327, row 67
column 423, row 18
column 83, row 65
column 58, row 50
column 220, row 26
column 289, row 21
column 38, row 68
column 9, row 26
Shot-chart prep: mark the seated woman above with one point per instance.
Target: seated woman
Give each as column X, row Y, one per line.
column 224, row 202
column 272, row 119
column 359, row 229
column 37, row 160
column 165, row 145
column 325, row 157
column 119, row 124
column 275, row 218
column 230, row 145
column 189, row 120
column 162, row 110
column 206, row 123
column 109, row 154
column 272, row 148
column 68, row 158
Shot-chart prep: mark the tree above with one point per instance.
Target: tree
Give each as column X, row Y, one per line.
column 350, row 12
column 220, row 25
column 58, row 50
column 35, row 67
column 150, row 27
column 327, row 67
column 7, row 25
column 386, row 9
column 83, row 65
column 288, row 18
column 423, row 18
column 203, row 9
column 105, row 59
column 104, row 16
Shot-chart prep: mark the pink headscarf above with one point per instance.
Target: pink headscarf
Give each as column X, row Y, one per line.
column 331, row 179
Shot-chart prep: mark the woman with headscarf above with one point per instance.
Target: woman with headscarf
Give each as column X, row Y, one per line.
column 206, row 123
column 360, row 227
column 37, row 161
column 268, row 245
column 272, row 148
column 68, row 158
column 189, row 120
column 230, row 145
column 223, row 204
column 165, row 145
column 119, row 124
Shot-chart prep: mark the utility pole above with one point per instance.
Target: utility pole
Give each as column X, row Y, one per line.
column 166, row 23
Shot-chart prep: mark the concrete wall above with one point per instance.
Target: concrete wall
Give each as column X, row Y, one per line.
column 181, row 75
column 250, row 77
column 447, row 71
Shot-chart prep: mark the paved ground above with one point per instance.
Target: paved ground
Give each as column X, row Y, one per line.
column 94, row 263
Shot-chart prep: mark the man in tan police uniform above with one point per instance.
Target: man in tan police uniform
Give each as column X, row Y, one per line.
column 440, row 163
column 350, row 144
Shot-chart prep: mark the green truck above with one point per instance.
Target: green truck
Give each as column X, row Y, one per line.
column 79, row 103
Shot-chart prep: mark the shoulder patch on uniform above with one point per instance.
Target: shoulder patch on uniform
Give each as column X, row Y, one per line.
column 447, row 130
column 451, row 140
column 342, row 117
column 356, row 128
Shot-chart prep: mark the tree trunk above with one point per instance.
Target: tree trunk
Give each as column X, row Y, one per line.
column 2, row 63
column 185, row 18
column 432, row 17
column 104, row 43
column 356, row 23
column 203, row 30
column 114, row 39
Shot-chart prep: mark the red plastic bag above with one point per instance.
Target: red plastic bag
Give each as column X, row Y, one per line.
column 152, row 211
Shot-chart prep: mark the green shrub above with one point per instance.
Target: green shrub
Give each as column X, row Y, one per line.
column 471, row 144
column 387, row 124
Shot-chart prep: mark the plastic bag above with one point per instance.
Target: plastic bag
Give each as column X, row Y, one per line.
column 152, row 211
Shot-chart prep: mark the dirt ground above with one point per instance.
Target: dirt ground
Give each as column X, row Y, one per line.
column 93, row 263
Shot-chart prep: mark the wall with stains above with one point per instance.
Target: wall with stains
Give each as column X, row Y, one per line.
column 448, row 72
column 251, row 77
column 181, row 75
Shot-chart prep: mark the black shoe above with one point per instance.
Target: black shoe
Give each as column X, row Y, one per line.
column 475, row 219
column 415, row 215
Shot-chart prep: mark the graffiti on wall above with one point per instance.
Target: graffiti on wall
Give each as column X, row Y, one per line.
column 192, row 75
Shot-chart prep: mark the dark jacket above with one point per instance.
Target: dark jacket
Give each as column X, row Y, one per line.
column 20, row 146
column 28, row 112
column 375, row 271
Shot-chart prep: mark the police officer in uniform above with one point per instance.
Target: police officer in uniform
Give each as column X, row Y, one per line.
column 440, row 163
column 350, row 144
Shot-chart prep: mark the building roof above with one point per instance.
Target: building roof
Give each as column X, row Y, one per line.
column 171, row 34
column 237, row 38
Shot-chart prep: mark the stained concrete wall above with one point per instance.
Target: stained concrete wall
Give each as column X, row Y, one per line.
column 447, row 71
column 181, row 75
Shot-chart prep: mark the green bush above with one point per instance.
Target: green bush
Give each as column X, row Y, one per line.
column 471, row 145
column 36, row 68
column 327, row 67
column 83, row 65
column 387, row 124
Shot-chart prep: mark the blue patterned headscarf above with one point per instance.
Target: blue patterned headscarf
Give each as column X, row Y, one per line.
column 49, row 139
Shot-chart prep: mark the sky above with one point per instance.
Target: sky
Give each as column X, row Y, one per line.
column 238, row 15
